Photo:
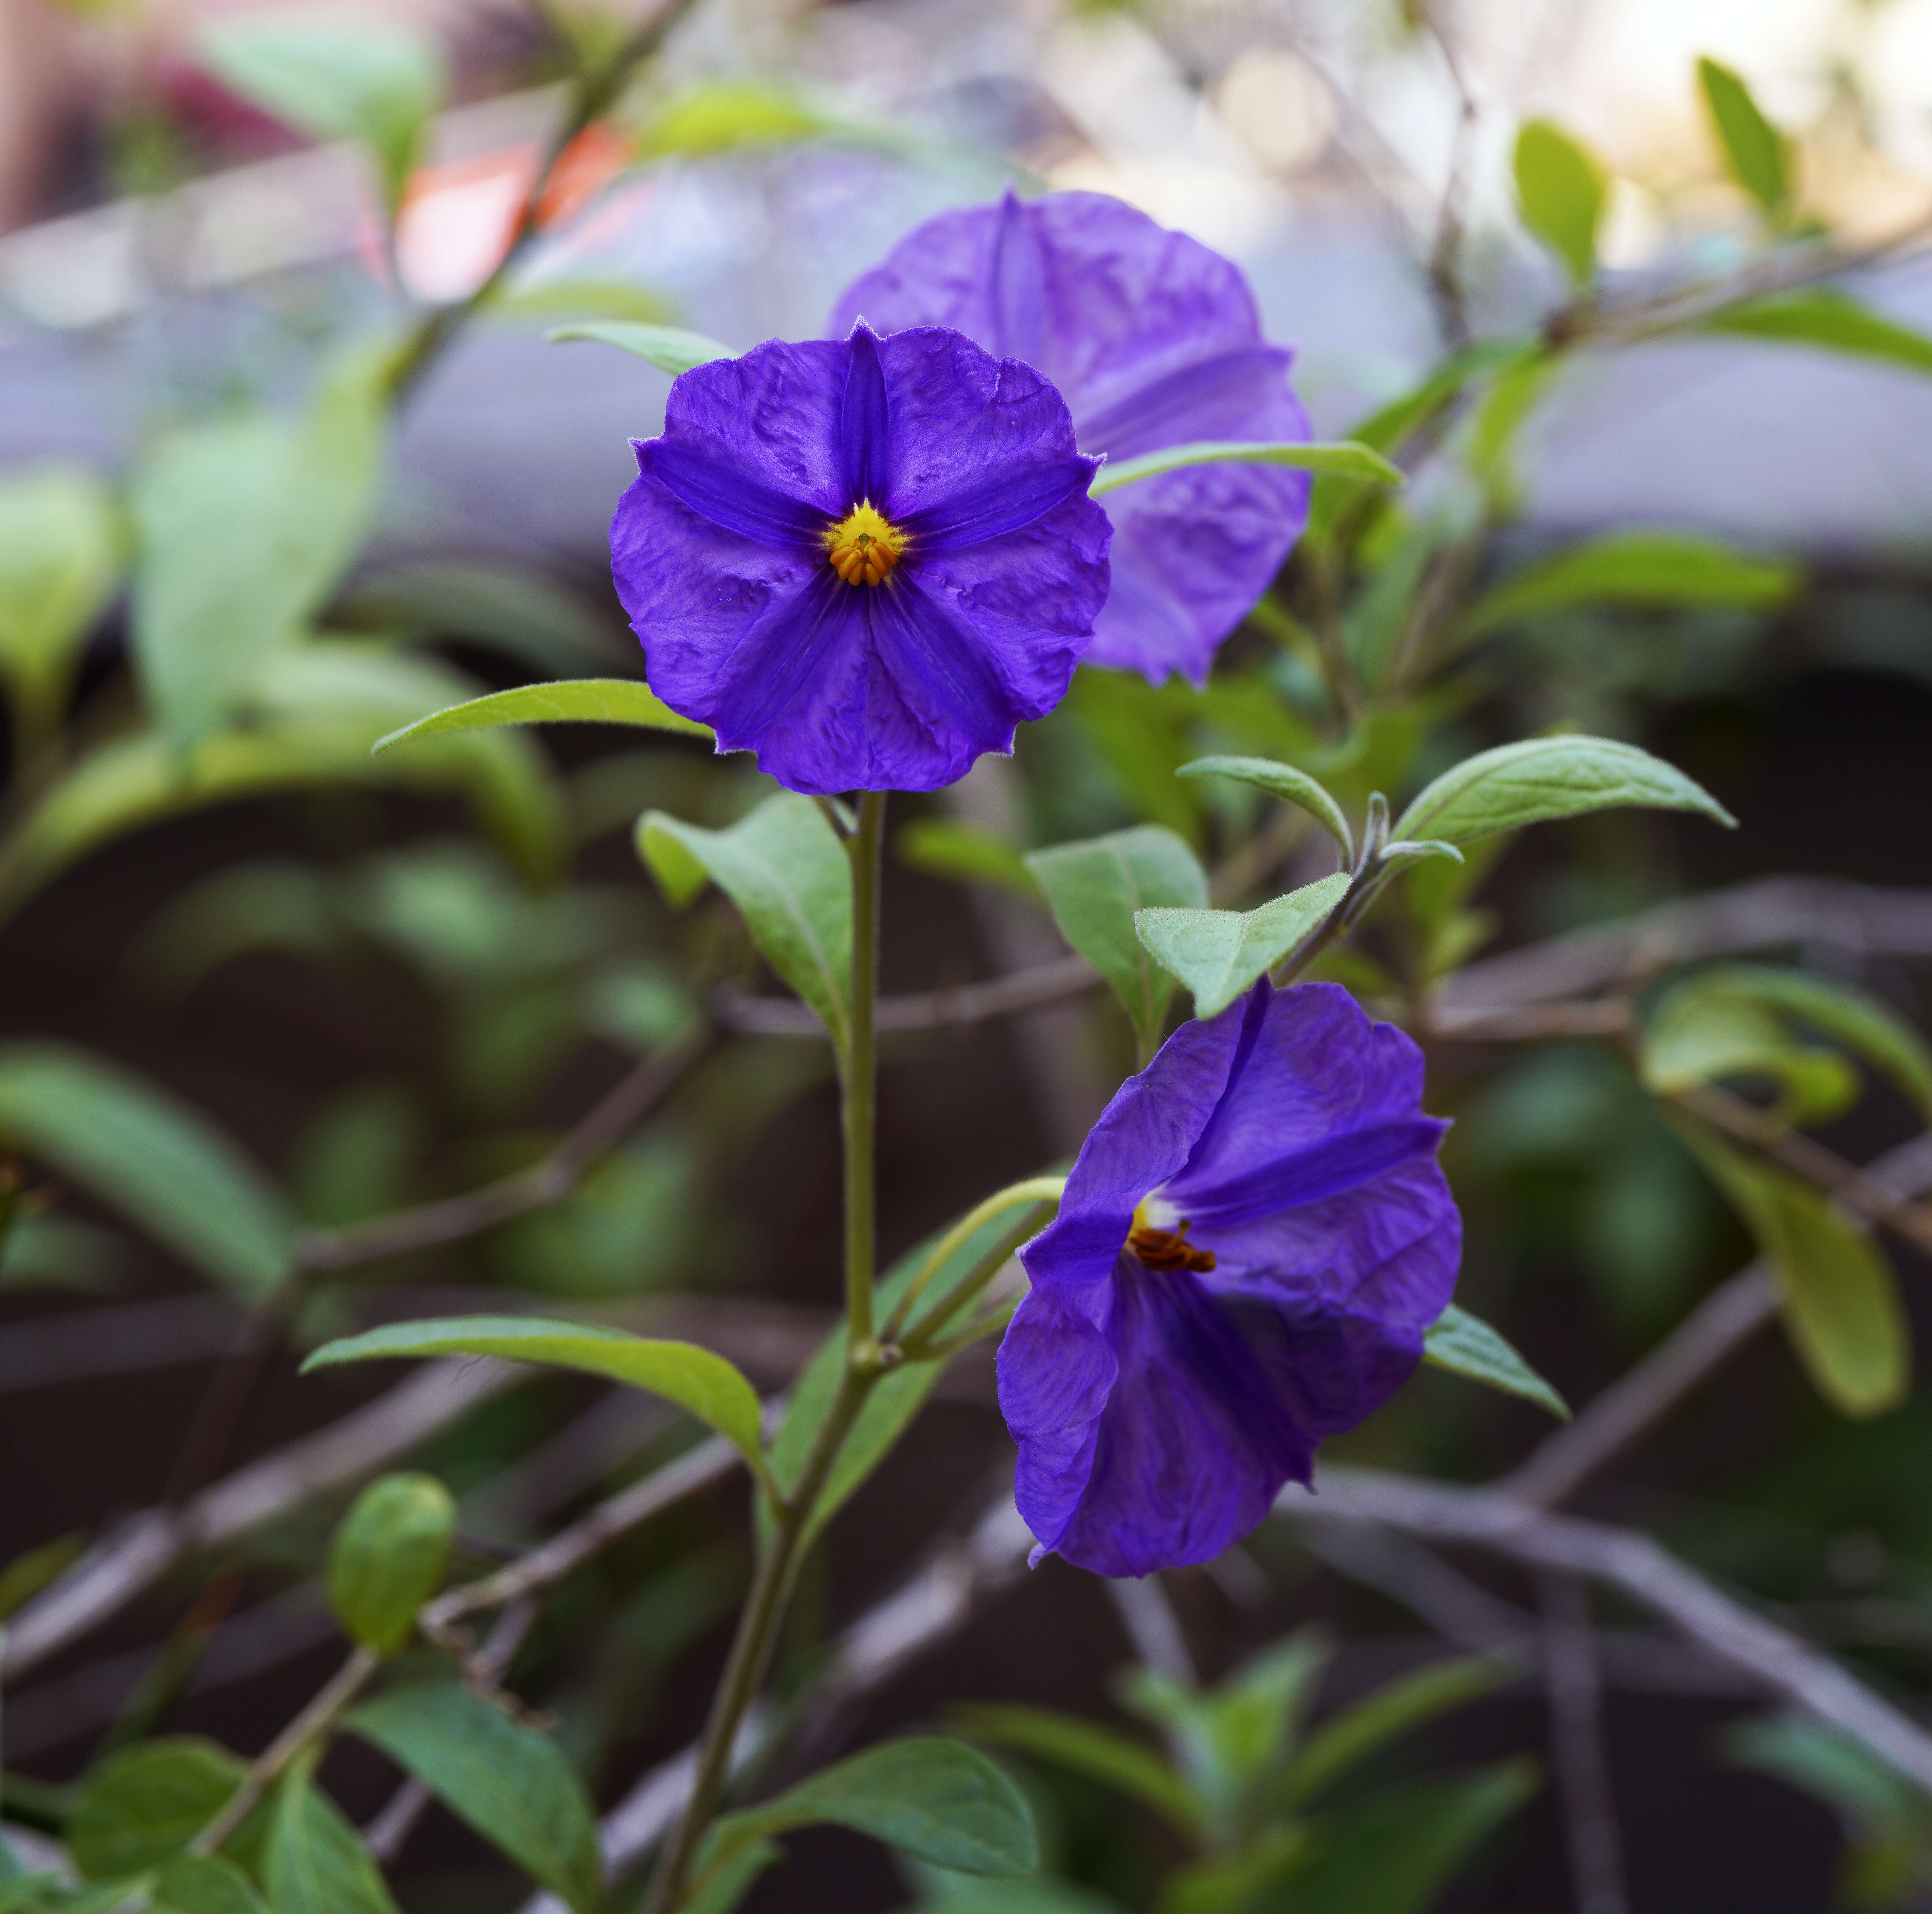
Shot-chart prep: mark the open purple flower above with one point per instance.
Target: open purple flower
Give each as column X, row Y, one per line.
column 866, row 560
column 1250, row 1246
column 1153, row 340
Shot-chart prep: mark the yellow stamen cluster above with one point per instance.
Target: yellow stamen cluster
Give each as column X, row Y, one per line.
column 864, row 546
column 1158, row 1248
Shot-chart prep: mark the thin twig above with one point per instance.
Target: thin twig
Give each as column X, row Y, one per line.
column 1721, row 1324
column 1445, row 279
column 1576, row 1691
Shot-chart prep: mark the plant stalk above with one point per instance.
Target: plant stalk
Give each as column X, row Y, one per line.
column 859, row 1100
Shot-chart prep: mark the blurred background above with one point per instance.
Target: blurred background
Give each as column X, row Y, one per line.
column 389, row 985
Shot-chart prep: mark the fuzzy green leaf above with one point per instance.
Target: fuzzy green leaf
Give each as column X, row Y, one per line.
column 670, row 348
column 143, row 1806
column 388, row 1558
column 1121, row 1761
column 1560, row 190
column 1282, row 780
column 316, row 1862
column 1094, row 890
column 1218, row 954
column 1343, row 459
column 571, row 701
column 1467, row 1345
column 789, row 876
column 1541, row 779
column 1831, row 321
column 1756, row 153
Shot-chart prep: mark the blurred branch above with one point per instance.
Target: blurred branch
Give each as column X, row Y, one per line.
column 1499, row 997
column 1574, row 1685
column 1444, row 267
column 137, row 1552
column 1724, row 1321
column 1622, row 1558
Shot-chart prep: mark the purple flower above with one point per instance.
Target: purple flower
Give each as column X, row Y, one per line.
column 866, row 561
column 1154, row 341
column 1250, row 1246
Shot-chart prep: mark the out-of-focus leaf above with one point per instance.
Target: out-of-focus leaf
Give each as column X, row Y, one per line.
column 574, row 701
column 196, row 1884
column 518, row 613
column 1467, row 1346
column 1831, row 321
column 720, row 116
column 965, row 852
column 26, row 1575
column 1841, row 1298
column 1394, row 1853
column 268, row 906
column 152, row 1158
column 1545, row 778
column 556, row 301
column 696, row 1379
column 789, row 875
column 514, row 1785
column 1756, row 152
column 1342, row 459
column 321, row 709
column 1094, row 890
column 1347, row 1738
column 59, row 1253
column 1863, row 1023
column 362, row 78
column 388, row 1558
column 1132, row 727
column 316, row 1862
column 1218, row 954
column 938, row 1799
column 243, row 528
column 1560, row 192
column 1091, row 1748
column 145, row 1805
column 60, row 559
column 1232, row 1738
column 1668, row 569
column 726, row 1885
column 1282, row 780
column 670, row 348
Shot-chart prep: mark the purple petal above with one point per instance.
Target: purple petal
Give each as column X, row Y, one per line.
column 1153, row 340
column 773, row 415
column 728, row 497
column 1194, row 1442
column 864, row 422
column 1339, row 1161
column 998, row 506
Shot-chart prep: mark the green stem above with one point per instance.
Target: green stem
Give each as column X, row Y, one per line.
column 757, row 1635
column 777, row 1566
column 858, row 1100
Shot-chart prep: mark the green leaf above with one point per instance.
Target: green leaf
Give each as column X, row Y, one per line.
column 721, row 116
column 516, row 1787
column 1668, row 569
column 1540, row 779
column 1343, row 459
column 522, row 614
column 1218, row 954
column 1840, row 1299
column 1832, row 321
column 371, row 80
column 1756, row 153
column 1282, row 780
column 145, row 1805
column 670, row 348
column 60, row 558
column 572, row 701
column 388, row 1558
column 963, row 853
column 725, row 1886
column 1863, row 1023
column 787, row 873
column 1560, row 191
column 1347, row 1738
column 153, row 1159
column 1467, row 1345
column 1394, row 1853
column 26, row 1575
column 1703, row 1031
column 695, row 1378
column 316, row 1862
column 1094, row 888
column 243, row 529
column 1090, row 1748
column 314, row 720
column 938, row 1799
column 196, row 1884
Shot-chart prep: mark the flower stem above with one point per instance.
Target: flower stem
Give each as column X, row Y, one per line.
column 1035, row 1190
column 777, row 1566
column 859, row 1088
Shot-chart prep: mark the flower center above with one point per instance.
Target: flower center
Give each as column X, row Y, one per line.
column 1156, row 1246
column 864, row 546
